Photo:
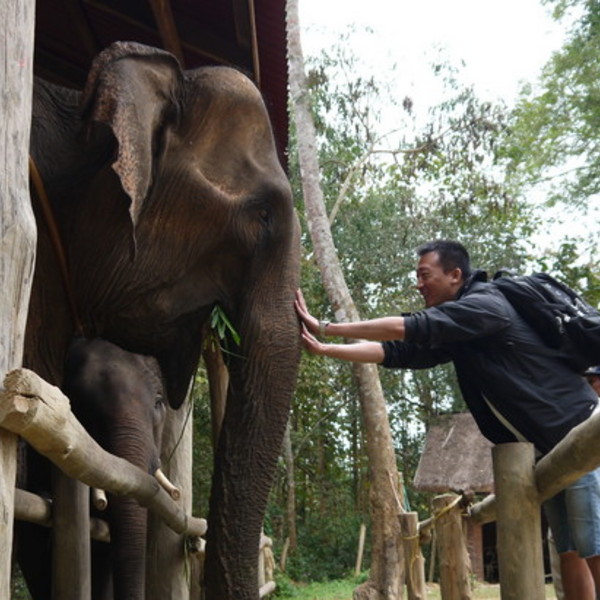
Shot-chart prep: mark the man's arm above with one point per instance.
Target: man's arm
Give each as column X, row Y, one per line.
column 363, row 352
column 382, row 329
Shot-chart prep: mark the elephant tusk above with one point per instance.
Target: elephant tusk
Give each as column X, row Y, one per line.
column 195, row 545
column 99, row 499
column 172, row 490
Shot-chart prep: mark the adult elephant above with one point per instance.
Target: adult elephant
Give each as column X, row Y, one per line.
column 170, row 199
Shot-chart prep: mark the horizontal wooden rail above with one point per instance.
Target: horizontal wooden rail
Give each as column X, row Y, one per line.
column 573, row 457
column 35, row 509
column 267, row 589
column 41, row 414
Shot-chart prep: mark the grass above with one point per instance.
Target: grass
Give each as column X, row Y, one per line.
column 342, row 590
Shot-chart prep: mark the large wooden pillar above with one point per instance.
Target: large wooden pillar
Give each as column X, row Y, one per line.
column 518, row 523
column 17, row 231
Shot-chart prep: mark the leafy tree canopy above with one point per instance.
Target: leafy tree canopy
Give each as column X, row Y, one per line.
column 554, row 134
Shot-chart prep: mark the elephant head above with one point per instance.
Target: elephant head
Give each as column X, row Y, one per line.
column 171, row 200
column 119, row 398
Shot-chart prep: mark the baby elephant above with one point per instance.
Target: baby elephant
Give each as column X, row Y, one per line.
column 118, row 396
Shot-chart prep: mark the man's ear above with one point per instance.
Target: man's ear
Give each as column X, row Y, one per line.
column 457, row 275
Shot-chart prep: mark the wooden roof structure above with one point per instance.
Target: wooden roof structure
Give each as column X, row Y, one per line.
column 456, row 457
column 247, row 34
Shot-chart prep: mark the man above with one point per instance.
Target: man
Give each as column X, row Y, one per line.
column 516, row 389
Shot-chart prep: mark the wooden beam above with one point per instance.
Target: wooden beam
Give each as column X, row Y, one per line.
column 255, row 53
column 32, row 508
column 573, row 457
column 35, row 509
column 79, row 22
column 241, row 19
column 163, row 15
column 244, row 15
column 267, row 589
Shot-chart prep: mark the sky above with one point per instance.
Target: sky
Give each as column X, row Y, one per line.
column 501, row 42
column 501, row 45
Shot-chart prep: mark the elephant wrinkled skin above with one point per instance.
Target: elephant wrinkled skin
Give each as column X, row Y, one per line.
column 170, row 199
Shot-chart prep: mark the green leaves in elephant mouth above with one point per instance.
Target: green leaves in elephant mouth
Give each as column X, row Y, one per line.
column 221, row 325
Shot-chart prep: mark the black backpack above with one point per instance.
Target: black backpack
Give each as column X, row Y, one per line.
column 562, row 318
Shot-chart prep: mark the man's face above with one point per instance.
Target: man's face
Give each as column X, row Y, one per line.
column 594, row 381
column 433, row 284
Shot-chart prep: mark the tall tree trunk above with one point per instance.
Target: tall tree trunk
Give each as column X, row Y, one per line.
column 288, row 457
column 387, row 568
column 17, row 231
column 320, row 470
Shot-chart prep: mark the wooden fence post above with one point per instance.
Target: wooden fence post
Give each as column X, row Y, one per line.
column 17, row 232
column 455, row 583
column 570, row 459
column 518, row 523
column 361, row 547
column 167, row 574
column 71, row 550
column 415, row 563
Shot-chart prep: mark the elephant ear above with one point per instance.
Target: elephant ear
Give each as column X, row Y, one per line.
column 131, row 88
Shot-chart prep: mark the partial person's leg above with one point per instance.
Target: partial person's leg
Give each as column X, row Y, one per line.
column 583, row 510
column 577, row 581
column 594, row 567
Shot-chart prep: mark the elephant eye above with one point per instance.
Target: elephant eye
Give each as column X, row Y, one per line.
column 264, row 215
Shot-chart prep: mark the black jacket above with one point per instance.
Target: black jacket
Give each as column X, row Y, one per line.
column 497, row 356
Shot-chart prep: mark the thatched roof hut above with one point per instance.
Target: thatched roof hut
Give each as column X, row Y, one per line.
column 456, row 457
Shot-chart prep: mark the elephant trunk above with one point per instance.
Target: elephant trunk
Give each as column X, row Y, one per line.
column 262, row 380
column 128, row 527
column 128, row 520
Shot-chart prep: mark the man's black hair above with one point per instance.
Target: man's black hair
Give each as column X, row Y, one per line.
column 451, row 255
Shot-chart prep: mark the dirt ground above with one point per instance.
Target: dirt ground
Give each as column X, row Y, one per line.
column 483, row 591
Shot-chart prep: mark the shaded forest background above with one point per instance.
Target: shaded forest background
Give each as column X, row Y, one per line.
column 493, row 176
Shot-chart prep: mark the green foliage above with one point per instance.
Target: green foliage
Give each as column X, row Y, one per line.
column 554, row 131
column 202, row 445
column 386, row 194
column 464, row 176
column 327, row 548
column 552, row 146
column 330, row 590
column 18, row 587
column 220, row 323
column 565, row 264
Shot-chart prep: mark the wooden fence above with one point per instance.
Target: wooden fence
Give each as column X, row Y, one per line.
column 521, row 486
column 41, row 414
